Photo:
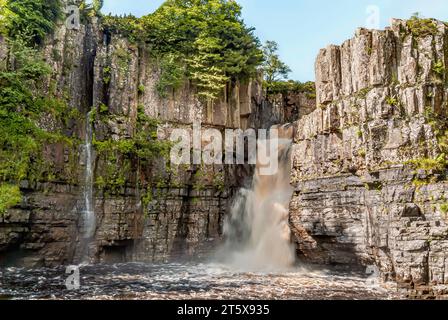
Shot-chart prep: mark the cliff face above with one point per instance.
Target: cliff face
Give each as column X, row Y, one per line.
column 157, row 213
column 368, row 190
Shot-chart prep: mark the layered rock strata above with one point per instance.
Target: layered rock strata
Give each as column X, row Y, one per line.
column 368, row 166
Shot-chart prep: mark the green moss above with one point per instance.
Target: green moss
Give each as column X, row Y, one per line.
column 120, row 158
column 141, row 89
column 362, row 152
column 107, row 75
column 10, row 196
column 392, row 101
column 123, row 58
column 219, row 182
column 439, row 68
column 444, row 208
column 198, row 179
column 439, row 164
column 359, row 133
column 362, row 94
column 394, row 79
column 103, row 109
column 418, row 183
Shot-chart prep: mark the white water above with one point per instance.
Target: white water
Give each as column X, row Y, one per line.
column 257, row 230
column 88, row 227
column 89, row 211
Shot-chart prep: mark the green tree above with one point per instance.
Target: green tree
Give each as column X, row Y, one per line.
column 208, row 37
column 29, row 19
column 274, row 69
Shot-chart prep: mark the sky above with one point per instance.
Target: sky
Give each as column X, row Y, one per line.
column 303, row 27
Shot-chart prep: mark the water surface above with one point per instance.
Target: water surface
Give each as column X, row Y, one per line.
column 187, row 281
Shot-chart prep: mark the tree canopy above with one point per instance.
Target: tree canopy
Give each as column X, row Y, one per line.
column 274, row 69
column 29, row 19
column 205, row 41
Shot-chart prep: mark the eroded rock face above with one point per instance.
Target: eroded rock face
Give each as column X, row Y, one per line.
column 357, row 202
column 183, row 213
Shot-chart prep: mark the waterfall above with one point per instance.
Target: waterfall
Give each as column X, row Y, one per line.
column 88, row 210
column 257, row 230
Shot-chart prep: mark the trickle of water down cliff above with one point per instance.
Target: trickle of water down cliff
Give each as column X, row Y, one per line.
column 88, row 218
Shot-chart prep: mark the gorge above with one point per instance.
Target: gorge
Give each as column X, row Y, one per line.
column 362, row 179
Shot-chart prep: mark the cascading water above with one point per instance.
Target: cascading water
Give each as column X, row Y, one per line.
column 89, row 213
column 88, row 210
column 257, row 230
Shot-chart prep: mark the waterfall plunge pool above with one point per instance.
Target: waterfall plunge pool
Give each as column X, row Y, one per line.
column 190, row 281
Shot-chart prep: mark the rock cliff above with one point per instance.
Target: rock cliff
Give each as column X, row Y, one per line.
column 369, row 163
column 154, row 213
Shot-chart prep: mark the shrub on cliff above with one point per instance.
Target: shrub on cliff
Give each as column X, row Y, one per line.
column 29, row 19
column 421, row 27
column 9, row 197
column 22, row 104
column 283, row 87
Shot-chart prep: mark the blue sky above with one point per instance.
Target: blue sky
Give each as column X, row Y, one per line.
column 302, row 27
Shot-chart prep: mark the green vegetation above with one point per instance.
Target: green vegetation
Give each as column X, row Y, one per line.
column 219, row 182
column 444, row 208
column 97, row 5
column 436, row 168
column 291, row 86
column 439, row 68
column 362, row 94
column 128, row 26
column 23, row 96
column 392, row 101
column 439, row 124
column 362, row 152
column 141, row 89
column 119, row 157
column 420, row 27
column 439, row 164
column 359, row 133
column 206, row 42
column 29, row 20
column 9, row 197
